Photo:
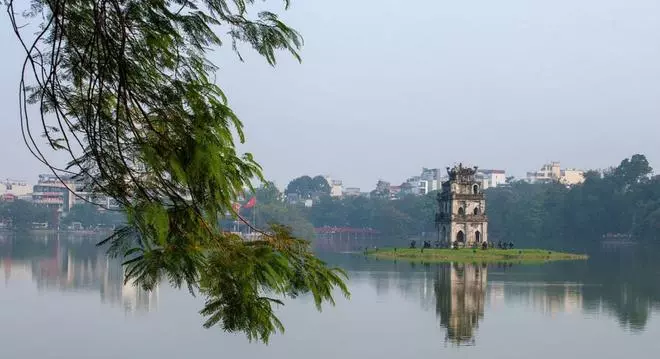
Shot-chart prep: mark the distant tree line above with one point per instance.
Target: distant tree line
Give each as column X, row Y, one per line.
column 21, row 215
column 90, row 216
column 271, row 208
column 624, row 199
column 620, row 200
column 409, row 215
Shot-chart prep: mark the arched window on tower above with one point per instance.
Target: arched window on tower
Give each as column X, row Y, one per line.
column 475, row 189
column 476, row 211
column 461, row 211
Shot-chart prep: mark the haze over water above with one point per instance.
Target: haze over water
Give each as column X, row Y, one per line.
column 64, row 299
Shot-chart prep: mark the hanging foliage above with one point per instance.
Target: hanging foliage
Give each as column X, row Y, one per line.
column 125, row 88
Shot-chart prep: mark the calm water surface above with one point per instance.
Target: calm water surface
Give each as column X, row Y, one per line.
column 63, row 299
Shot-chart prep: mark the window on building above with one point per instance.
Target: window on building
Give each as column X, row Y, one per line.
column 475, row 189
column 476, row 211
column 461, row 211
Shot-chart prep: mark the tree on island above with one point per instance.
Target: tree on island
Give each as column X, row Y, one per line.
column 126, row 89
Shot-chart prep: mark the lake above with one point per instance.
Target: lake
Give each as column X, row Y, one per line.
column 61, row 298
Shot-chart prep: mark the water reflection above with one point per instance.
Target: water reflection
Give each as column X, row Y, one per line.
column 460, row 291
column 547, row 298
column 71, row 264
column 462, row 294
column 621, row 285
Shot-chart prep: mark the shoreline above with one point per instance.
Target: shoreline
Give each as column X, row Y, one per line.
column 467, row 255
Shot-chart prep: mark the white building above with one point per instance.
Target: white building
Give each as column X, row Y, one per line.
column 52, row 193
column 14, row 187
column 552, row 172
column 336, row 187
column 548, row 172
column 426, row 186
column 571, row 176
column 492, row 178
column 429, row 180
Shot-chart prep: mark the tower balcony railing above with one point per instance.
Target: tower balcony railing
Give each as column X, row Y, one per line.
column 468, row 217
column 467, row 196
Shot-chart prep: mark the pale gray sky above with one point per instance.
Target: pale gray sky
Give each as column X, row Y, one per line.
column 387, row 87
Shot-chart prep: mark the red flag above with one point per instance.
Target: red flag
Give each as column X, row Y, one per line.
column 251, row 203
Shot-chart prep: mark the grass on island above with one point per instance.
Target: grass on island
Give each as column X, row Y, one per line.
column 474, row 255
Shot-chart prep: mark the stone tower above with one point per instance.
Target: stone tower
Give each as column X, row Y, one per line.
column 461, row 217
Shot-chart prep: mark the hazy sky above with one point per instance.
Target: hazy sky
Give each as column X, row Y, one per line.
column 387, row 87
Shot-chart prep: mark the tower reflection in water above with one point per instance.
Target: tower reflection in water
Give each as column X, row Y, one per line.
column 73, row 266
column 460, row 292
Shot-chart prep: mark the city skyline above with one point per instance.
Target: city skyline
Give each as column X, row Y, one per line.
column 369, row 185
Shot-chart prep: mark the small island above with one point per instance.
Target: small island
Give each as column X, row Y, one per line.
column 462, row 226
column 492, row 255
